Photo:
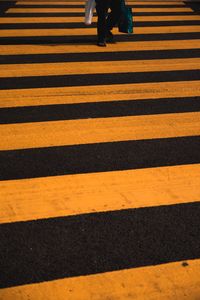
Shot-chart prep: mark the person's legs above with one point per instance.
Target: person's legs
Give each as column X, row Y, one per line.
column 102, row 10
column 113, row 17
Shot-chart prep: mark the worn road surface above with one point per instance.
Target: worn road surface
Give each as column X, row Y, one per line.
column 99, row 154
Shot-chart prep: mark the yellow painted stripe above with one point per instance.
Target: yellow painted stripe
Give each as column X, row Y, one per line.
column 47, row 69
column 163, row 282
column 45, row 10
column 92, row 31
column 81, row 94
column 80, row 19
column 129, row 1
column 68, row 195
column 48, row 197
column 181, row 3
column 125, row 46
column 60, row 2
column 74, row 132
column 63, row 10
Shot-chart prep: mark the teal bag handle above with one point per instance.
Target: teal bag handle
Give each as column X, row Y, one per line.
column 125, row 24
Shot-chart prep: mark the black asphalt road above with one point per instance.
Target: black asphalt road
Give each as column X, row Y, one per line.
column 47, row 249
column 55, row 248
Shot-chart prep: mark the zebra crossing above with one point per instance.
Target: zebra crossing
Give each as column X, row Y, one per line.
column 99, row 153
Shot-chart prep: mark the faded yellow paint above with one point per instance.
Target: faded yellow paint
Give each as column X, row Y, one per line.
column 81, row 19
column 52, row 3
column 13, row 20
column 163, row 282
column 92, row 31
column 37, row 198
column 181, row 3
column 74, row 132
column 125, row 46
column 63, row 10
column 30, row 199
column 81, row 94
column 47, row 69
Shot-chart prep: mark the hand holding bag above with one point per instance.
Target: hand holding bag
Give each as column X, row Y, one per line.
column 89, row 9
column 125, row 24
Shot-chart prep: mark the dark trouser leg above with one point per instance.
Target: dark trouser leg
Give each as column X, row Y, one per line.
column 102, row 10
column 114, row 15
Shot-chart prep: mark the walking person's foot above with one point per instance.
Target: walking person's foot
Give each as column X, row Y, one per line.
column 109, row 37
column 101, row 43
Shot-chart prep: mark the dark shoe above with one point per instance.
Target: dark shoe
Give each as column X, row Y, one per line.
column 101, row 44
column 110, row 37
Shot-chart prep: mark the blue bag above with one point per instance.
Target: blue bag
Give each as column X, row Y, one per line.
column 125, row 24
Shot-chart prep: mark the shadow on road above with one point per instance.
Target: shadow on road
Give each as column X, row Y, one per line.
column 195, row 6
column 5, row 5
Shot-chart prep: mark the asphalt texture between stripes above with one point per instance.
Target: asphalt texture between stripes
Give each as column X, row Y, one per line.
column 98, row 110
column 85, row 39
column 97, row 79
column 49, row 249
column 99, row 157
column 100, row 56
